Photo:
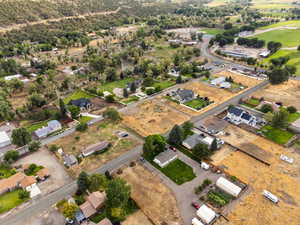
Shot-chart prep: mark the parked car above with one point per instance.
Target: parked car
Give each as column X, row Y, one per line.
column 172, row 148
column 142, row 159
column 195, row 205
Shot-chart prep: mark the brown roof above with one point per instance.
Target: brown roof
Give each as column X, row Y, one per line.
column 11, row 182
column 104, row 222
column 43, row 173
column 95, row 147
column 27, row 181
column 87, row 209
column 97, row 199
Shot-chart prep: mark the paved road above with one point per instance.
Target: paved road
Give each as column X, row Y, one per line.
column 45, row 202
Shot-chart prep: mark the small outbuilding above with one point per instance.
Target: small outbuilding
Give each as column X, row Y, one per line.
column 98, row 147
column 195, row 221
column 165, row 158
column 228, row 187
column 206, row 214
column 4, row 139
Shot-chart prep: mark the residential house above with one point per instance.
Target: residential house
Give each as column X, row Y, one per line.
column 238, row 116
column 104, row 222
column 165, row 158
column 69, row 160
column 295, row 126
column 236, row 54
column 138, row 83
column 4, row 139
column 98, row 147
column 183, row 95
column 52, row 126
column 225, row 85
column 93, row 203
column 83, row 103
column 218, row 81
column 211, row 125
column 174, row 73
column 191, row 141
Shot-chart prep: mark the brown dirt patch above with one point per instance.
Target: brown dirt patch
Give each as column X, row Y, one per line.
column 239, row 78
column 153, row 197
column 152, row 117
column 288, row 93
column 138, row 218
column 280, row 178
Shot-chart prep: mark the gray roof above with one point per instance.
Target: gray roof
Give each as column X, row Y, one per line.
column 212, row 123
column 96, row 147
column 185, row 94
column 193, row 140
column 236, row 111
column 165, row 156
column 44, row 131
column 70, row 160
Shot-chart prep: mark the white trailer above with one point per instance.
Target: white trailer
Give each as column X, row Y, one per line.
column 195, row 221
column 270, row 196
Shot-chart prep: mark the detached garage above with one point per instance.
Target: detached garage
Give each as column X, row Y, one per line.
column 228, row 187
column 206, row 214
column 4, row 139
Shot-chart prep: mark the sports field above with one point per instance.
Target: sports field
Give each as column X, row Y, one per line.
column 294, row 56
column 288, row 37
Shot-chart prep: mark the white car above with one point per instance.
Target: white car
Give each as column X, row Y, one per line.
column 286, row 159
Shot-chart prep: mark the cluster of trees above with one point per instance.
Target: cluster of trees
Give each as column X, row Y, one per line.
column 178, row 134
column 117, row 192
column 280, row 119
column 274, row 46
column 280, row 72
column 251, row 42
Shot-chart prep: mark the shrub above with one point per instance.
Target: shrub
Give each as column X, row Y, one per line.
column 291, row 109
column 53, row 148
column 266, row 108
column 11, row 156
column 24, row 195
column 82, row 127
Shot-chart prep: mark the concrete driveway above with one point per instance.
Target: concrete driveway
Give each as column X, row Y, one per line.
column 184, row 193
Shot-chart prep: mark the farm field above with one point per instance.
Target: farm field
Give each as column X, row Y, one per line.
column 290, row 23
column 152, row 117
column 288, row 37
column 152, row 196
column 294, row 58
column 73, row 144
column 288, row 93
column 279, row 178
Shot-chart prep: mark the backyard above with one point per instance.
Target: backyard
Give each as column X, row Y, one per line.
column 277, row 135
column 177, row 171
column 110, row 86
column 77, row 95
column 10, row 200
column 197, row 103
column 35, row 126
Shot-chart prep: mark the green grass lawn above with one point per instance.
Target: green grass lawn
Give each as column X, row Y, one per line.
column 293, row 55
column 115, row 84
column 290, row 23
column 293, row 117
column 277, row 135
column 10, row 200
column 164, row 84
column 6, row 171
column 196, row 104
column 84, row 119
column 212, row 31
column 77, row 95
column 177, row 171
column 36, row 126
column 130, row 99
column 288, row 38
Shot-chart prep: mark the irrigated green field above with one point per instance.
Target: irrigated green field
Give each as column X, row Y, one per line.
column 290, row 23
column 294, row 56
column 288, row 38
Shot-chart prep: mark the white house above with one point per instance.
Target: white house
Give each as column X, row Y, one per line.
column 206, row 214
column 225, row 85
column 195, row 139
column 238, row 116
column 51, row 127
column 11, row 77
column 228, row 187
column 218, row 81
column 165, row 158
column 4, row 139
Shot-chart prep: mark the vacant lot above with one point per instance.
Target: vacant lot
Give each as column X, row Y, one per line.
column 152, row 117
column 137, row 218
column 58, row 174
column 75, row 143
column 288, row 93
column 153, row 197
column 239, row 78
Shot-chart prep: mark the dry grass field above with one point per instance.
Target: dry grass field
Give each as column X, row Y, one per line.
column 153, row 197
column 280, row 178
column 239, row 78
column 152, row 117
column 137, row 218
column 288, row 93
column 96, row 133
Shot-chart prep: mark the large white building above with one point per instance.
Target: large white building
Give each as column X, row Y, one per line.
column 228, row 187
column 206, row 214
column 4, row 139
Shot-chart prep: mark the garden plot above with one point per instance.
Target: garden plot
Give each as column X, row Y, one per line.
column 288, row 93
column 278, row 178
column 152, row 117
column 105, row 131
column 152, row 196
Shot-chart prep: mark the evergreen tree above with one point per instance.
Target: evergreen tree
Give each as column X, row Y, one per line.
column 125, row 93
column 133, row 87
column 176, row 135
column 20, row 137
column 179, row 80
column 83, row 182
column 63, row 108
column 214, row 145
